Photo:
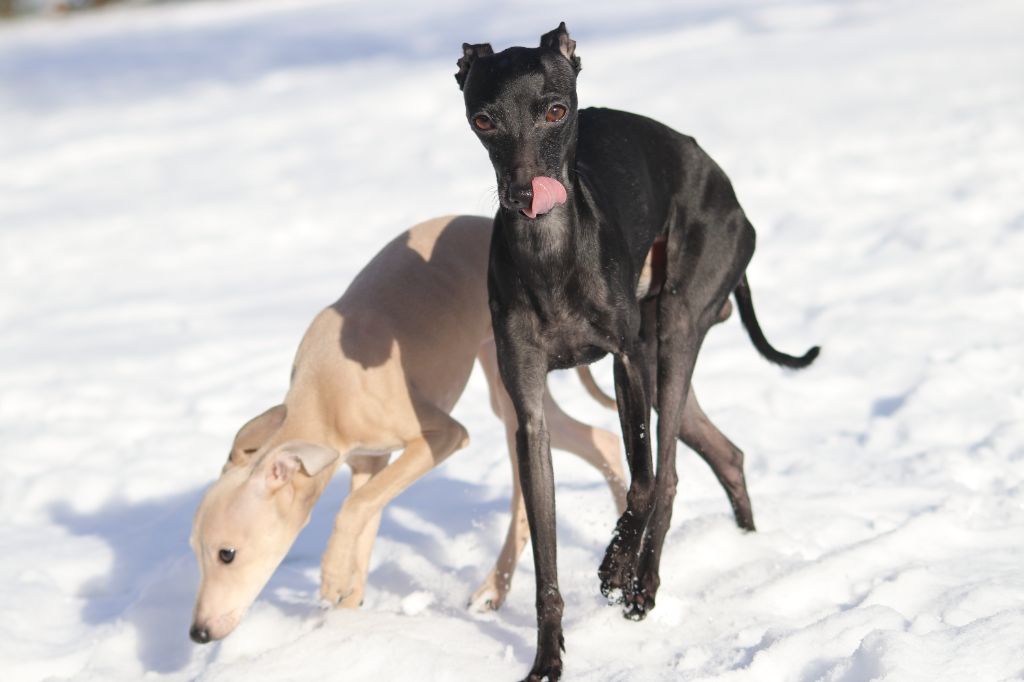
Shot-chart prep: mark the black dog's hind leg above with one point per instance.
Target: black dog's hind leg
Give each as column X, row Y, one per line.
column 706, row 258
column 619, row 568
column 724, row 458
column 717, row 451
column 678, row 342
column 697, row 431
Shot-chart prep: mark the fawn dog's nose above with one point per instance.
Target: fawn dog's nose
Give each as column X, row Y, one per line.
column 199, row 635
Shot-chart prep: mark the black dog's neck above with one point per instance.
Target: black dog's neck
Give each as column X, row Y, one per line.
column 556, row 259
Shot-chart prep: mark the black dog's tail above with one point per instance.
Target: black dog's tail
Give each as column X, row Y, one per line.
column 746, row 306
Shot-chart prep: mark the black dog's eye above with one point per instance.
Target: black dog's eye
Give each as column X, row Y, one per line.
column 226, row 555
column 555, row 113
column 483, row 122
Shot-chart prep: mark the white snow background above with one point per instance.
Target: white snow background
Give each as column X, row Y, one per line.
column 182, row 187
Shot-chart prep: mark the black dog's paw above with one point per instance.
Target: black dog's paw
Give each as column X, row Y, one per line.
column 617, row 573
column 611, row 582
column 551, row 673
column 547, row 667
column 611, row 592
column 637, row 603
column 547, row 664
column 615, row 588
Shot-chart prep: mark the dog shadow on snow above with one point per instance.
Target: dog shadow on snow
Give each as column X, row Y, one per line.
column 152, row 581
column 152, row 577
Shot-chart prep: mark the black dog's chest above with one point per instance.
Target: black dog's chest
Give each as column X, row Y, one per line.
column 573, row 317
column 571, row 338
column 565, row 351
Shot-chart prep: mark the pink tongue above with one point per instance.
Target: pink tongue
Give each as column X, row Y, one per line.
column 546, row 193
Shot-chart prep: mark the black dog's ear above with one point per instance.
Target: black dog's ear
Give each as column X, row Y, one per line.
column 469, row 55
column 560, row 41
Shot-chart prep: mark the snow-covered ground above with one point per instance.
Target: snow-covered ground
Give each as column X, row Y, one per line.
column 182, row 187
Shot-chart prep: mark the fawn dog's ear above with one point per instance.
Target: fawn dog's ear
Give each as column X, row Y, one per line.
column 559, row 41
column 469, row 55
column 294, row 458
column 253, row 434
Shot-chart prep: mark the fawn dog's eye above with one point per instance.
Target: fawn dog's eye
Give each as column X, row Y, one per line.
column 483, row 122
column 226, row 556
column 555, row 113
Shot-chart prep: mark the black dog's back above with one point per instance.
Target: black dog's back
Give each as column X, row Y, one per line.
column 641, row 172
column 616, row 153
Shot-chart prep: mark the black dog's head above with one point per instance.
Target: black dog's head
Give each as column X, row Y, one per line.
column 521, row 103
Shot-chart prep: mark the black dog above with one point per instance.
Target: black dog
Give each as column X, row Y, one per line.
column 587, row 197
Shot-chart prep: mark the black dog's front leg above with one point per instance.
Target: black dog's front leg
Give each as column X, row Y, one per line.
column 524, row 371
column 619, row 568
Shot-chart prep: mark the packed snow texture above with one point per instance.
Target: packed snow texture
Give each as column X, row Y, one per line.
column 182, row 187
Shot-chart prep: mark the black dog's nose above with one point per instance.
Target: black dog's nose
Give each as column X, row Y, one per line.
column 520, row 196
column 199, row 635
